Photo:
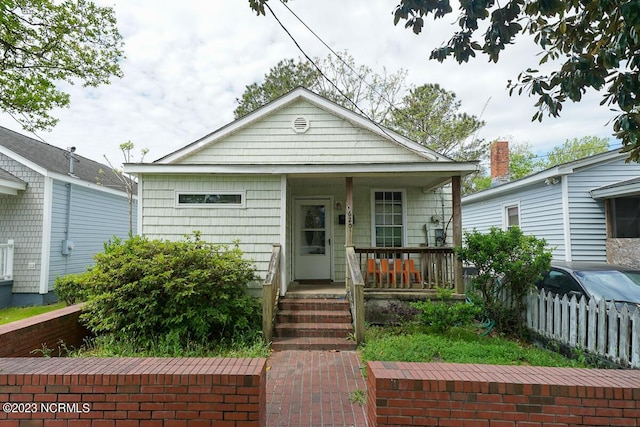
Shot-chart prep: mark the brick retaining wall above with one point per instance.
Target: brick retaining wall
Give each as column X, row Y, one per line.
column 20, row 338
column 456, row 395
column 132, row 392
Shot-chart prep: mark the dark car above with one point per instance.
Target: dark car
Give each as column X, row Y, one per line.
column 594, row 280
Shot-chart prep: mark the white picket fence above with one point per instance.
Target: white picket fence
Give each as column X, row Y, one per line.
column 6, row 260
column 595, row 326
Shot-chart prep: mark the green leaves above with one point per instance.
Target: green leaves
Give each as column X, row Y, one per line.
column 508, row 263
column 595, row 43
column 189, row 291
column 430, row 115
column 43, row 43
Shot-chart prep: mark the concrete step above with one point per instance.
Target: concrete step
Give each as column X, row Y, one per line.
column 312, row 343
column 313, row 316
column 327, row 330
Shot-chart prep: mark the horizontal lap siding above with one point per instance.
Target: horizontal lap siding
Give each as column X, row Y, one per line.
column 540, row 214
column 96, row 217
column 328, row 140
column 256, row 227
column 588, row 224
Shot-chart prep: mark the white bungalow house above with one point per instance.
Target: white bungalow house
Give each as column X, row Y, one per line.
column 57, row 209
column 312, row 177
column 586, row 210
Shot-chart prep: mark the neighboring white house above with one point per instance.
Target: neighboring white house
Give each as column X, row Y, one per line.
column 587, row 210
column 283, row 175
column 58, row 209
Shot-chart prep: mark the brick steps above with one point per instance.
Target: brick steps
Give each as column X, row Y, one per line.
column 312, row 343
column 313, row 316
column 325, row 330
column 313, row 324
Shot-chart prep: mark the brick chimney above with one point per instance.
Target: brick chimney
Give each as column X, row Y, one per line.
column 499, row 163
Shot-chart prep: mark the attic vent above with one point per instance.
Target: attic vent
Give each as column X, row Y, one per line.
column 300, row 124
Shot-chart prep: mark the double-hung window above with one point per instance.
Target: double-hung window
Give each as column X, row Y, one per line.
column 388, row 218
column 511, row 216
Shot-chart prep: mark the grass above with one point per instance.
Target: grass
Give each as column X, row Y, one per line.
column 415, row 343
column 111, row 346
column 8, row 315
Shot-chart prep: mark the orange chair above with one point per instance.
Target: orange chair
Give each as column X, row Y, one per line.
column 398, row 271
column 410, row 271
column 372, row 270
column 389, row 274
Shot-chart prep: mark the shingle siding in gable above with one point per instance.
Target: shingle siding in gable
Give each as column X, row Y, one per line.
column 328, row 140
column 21, row 220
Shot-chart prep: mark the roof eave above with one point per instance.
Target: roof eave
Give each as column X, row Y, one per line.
column 560, row 170
column 346, row 169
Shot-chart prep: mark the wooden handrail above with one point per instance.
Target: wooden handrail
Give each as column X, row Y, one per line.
column 270, row 294
column 356, row 294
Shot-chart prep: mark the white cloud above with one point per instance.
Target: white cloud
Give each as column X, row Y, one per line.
column 188, row 61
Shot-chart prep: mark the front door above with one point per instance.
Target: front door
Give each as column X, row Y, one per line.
column 312, row 239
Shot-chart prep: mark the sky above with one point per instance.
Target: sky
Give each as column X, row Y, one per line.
column 187, row 63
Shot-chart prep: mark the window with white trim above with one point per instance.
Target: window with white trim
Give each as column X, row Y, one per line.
column 511, row 216
column 214, row 199
column 388, row 218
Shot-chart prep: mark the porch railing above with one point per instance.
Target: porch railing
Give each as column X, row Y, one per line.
column 407, row 268
column 270, row 294
column 355, row 291
column 6, row 260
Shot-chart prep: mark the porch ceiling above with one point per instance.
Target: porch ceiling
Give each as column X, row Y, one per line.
column 388, row 180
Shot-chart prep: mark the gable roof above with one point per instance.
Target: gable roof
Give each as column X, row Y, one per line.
column 49, row 160
column 316, row 100
column 555, row 171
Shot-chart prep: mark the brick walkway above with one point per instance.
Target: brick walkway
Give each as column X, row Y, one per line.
column 312, row 388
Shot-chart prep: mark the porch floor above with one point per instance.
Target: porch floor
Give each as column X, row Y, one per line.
column 316, row 290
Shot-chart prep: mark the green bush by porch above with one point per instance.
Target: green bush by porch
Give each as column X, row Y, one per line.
column 179, row 293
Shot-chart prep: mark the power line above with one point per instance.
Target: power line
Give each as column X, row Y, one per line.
column 381, row 128
column 334, row 85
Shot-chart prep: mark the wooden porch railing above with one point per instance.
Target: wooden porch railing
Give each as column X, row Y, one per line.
column 270, row 294
column 355, row 293
column 6, row 260
column 407, row 268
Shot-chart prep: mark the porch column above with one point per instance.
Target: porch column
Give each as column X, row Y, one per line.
column 457, row 232
column 348, row 227
column 348, row 236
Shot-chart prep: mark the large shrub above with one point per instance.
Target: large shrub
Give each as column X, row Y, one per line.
column 189, row 291
column 508, row 264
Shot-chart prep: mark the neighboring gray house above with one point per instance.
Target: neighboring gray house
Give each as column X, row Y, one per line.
column 56, row 211
column 286, row 173
column 587, row 210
